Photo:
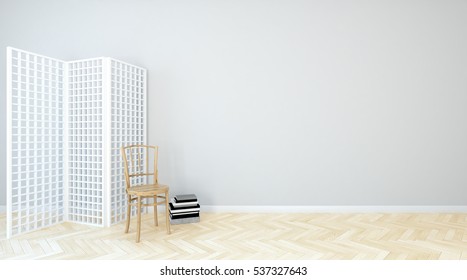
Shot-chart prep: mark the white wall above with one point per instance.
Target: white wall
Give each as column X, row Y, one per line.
column 265, row 102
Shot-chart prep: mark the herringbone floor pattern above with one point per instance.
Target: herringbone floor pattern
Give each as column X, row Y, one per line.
column 254, row 236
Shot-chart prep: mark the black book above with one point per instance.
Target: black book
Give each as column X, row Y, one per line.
column 183, row 204
column 184, row 216
column 185, row 198
column 183, row 209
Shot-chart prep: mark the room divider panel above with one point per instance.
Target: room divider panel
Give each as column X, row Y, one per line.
column 85, row 141
column 35, row 155
column 128, row 125
column 65, row 124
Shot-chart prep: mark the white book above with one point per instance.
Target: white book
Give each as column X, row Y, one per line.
column 183, row 209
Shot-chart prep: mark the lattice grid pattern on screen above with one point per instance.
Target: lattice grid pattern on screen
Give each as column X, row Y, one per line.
column 85, row 193
column 65, row 124
column 36, row 180
column 128, row 88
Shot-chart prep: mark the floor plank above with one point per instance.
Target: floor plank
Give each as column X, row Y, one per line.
column 254, row 236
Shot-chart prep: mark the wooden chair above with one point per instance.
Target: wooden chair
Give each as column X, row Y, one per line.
column 136, row 160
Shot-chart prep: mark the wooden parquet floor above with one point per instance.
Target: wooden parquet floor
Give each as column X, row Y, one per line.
column 235, row 236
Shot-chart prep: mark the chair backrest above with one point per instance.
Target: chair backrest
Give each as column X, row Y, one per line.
column 137, row 160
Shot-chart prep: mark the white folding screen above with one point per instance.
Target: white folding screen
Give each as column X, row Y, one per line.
column 85, row 141
column 35, row 117
column 66, row 122
column 128, row 125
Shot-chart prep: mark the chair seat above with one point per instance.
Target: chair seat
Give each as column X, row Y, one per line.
column 148, row 190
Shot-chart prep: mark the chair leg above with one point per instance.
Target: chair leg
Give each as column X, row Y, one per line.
column 167, row 222
column 128, row 215
column 156, row 222
column 138, row 233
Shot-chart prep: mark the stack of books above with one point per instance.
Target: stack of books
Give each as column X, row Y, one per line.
column 184, row 209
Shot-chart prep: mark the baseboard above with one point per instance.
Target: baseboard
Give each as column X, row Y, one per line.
column 336, row 209
column 320, row 209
